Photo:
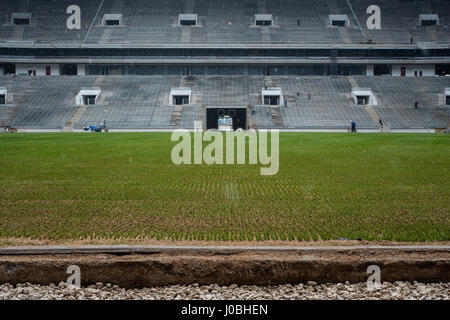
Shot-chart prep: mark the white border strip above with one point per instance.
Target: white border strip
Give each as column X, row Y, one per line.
column 300, row 130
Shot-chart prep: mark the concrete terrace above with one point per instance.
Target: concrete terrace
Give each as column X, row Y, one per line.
column 128, row 102
column 224, row 22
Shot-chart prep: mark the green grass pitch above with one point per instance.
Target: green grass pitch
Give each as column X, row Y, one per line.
column 392, row 187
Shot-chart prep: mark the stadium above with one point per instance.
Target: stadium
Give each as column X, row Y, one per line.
column 150, row 69
column 91, row 92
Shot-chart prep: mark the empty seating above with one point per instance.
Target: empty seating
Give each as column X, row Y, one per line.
column 224, row 22
column 131, row 102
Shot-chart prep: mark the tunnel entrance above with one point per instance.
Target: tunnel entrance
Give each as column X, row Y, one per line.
column 237, row 115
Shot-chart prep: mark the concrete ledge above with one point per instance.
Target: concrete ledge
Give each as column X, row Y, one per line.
column 131, row 267
column 133, row 249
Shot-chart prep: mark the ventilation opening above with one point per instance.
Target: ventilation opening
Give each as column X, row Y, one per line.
column 362, row 100
column 21, row 19
column 364, row 97
column 427, row 23
column 88, row 96
column 338, row 23
column 180, row 100
column 427, row 20
column 2, row 96
column 339, row 20
column 188, row 23
column 263, row 20
column 187, row 19
column 447, row 96
column 180, row 96
column 265, row 23
column 272, row 100
column 89, row 100
column 21, row 22
column 112, row 20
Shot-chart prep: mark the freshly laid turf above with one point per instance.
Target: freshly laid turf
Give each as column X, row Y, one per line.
column 329, row 186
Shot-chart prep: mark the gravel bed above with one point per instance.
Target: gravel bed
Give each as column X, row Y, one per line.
column 397, row 290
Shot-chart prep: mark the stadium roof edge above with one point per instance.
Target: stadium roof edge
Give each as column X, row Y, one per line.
column 17, row 44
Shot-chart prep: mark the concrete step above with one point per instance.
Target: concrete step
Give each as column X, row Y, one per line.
column 75, row 118
column 176, row 116
column 375, row 117
column 276, row 116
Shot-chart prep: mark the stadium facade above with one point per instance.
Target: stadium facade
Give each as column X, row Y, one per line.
column 162, row 65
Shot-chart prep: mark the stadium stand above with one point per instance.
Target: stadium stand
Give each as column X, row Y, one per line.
column 48, row 21
column 128, row 102
column 135, row 52
column 224, row 22
column 401, row 21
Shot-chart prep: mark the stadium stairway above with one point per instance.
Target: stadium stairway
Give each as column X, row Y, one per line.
column 177, row 114
column 369, row 109
column 76, row 117
column 201, row 116
column 18, row 32
column 353, row 82
column 375, row 117
column 276, row 116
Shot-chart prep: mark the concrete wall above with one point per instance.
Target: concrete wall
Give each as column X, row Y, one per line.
column 81, row 69
column 239, row 266
column 427, row 70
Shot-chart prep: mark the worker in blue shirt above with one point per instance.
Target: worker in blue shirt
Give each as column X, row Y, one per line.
column 353, row 126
